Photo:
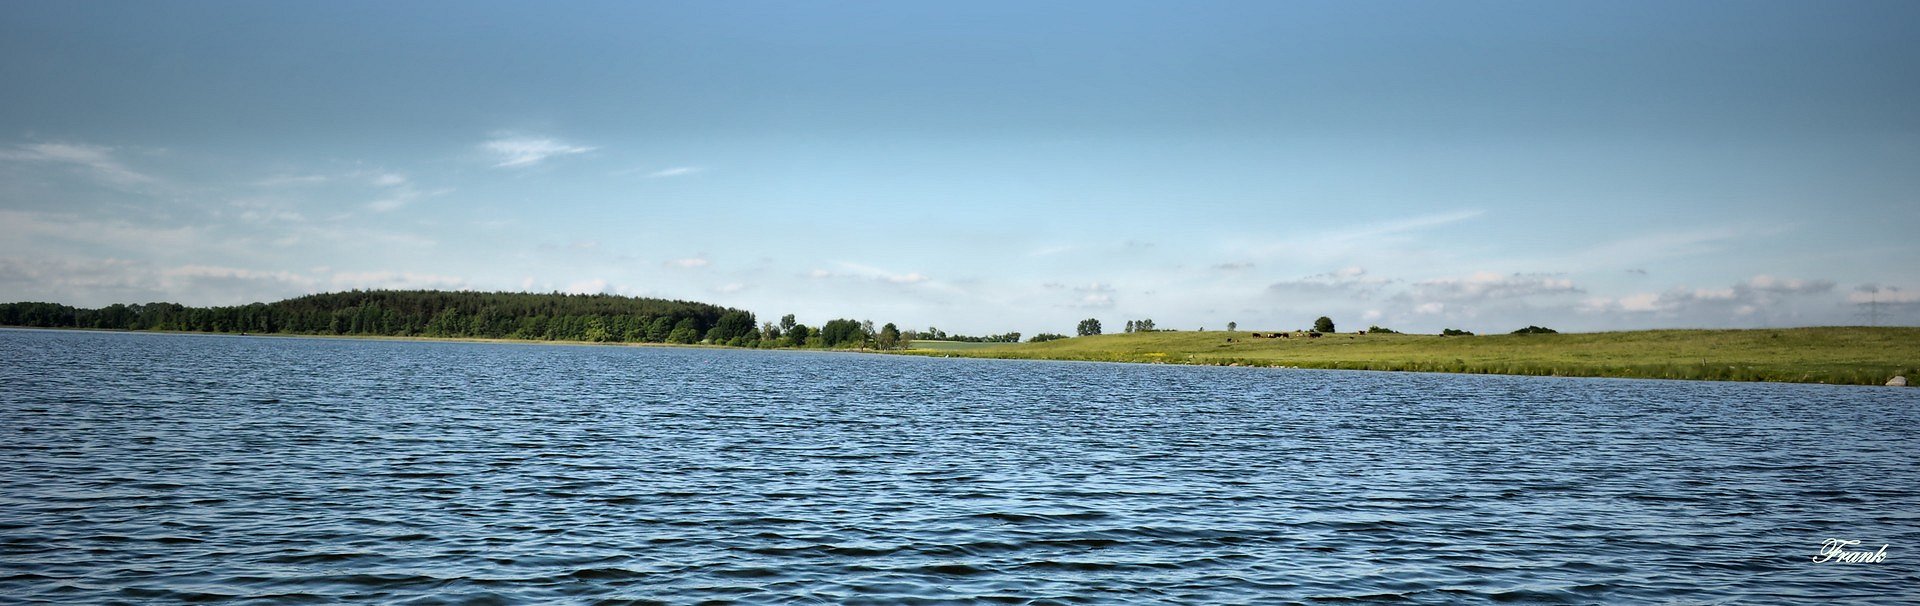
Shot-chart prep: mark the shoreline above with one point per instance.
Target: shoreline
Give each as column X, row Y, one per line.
column 1653, row 368
column 1867, row 356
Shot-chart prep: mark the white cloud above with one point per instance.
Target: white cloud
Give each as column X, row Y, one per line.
column 588, row 287
column 882, row 275
column 97, row 161
column 1759, row 295
column 677, row 171
column 1776, row 285
column 397, row 191
column 1351, row 281
column 689, row 263
column 1490, row 285
column 518, row 152
column 819, row 273
column 21, row 228
column 401, row 280
column 729, row 288
column 291, row 180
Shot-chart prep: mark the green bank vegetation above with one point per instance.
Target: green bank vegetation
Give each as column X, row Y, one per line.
column 1845, row 355
column 556, row 317
column 1842, row 355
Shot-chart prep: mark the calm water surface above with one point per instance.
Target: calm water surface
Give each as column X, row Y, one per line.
column 144, row 468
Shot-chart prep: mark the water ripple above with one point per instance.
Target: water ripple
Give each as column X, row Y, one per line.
column 180, row 468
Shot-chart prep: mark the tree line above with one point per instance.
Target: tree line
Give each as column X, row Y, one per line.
column 598, row 318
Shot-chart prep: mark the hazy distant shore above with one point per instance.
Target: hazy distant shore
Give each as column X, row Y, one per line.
column 1832, row 355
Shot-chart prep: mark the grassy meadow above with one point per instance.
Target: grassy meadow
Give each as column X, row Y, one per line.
column 1840, row 355
column 946, row 346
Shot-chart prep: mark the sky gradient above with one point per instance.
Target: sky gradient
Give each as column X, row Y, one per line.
column 981, row 167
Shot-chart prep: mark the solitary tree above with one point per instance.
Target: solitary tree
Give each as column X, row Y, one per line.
column 1233, row 326
column 1089, row 327
column 1324, row 324
column 889, row 336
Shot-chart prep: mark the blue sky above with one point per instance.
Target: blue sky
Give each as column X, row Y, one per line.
column 981, row 167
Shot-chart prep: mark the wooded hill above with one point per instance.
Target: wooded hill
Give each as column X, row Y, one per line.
column 425, row 313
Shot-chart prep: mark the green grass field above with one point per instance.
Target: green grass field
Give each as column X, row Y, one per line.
column 1842, row 355
column 947, row 346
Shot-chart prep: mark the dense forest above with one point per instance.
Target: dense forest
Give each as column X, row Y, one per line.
column 493, row 315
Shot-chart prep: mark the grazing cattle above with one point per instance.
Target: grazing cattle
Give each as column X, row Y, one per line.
column 1313, row 335
column 1283, row 335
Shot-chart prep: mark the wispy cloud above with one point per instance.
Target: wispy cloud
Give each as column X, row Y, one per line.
column 291, row 180
column 590, row 287
column 97, row 161
column 397, row 192
column 883, row 275
column 1490, row 285
column 520, row 152
column 1400, row 226
column 689, row 263
column 677, row 171
column 1348, row 281
column 396, row 280
column 1758, row 295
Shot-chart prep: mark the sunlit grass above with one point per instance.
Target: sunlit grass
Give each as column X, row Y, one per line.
column 929, row 345
column 1846, row 355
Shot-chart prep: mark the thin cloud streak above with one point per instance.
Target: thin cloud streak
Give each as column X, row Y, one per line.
column 521, row 152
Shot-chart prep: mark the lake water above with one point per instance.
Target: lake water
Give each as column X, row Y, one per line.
column 143, row 468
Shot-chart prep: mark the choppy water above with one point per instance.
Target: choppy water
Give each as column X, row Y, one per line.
column 159, row 468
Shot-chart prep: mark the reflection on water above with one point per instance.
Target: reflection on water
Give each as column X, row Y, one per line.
column 141, row 468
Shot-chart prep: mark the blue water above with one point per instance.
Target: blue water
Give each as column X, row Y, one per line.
column 143, row 468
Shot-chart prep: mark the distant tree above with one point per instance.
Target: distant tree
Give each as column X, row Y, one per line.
column 889, row 336
column 686, row 332
column 836, row 333
column 1535, row 330
column 1129, row 325
column 731, row 325
column 658, row 331
column 1323, row 324
column 797, row 334
column 1375, row 330
column 769, row 332
column 1143, row 325
column 1089, row 327
column 786, row 322
column 1045, row 337
column 1233, row 326
column 1455, row 332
